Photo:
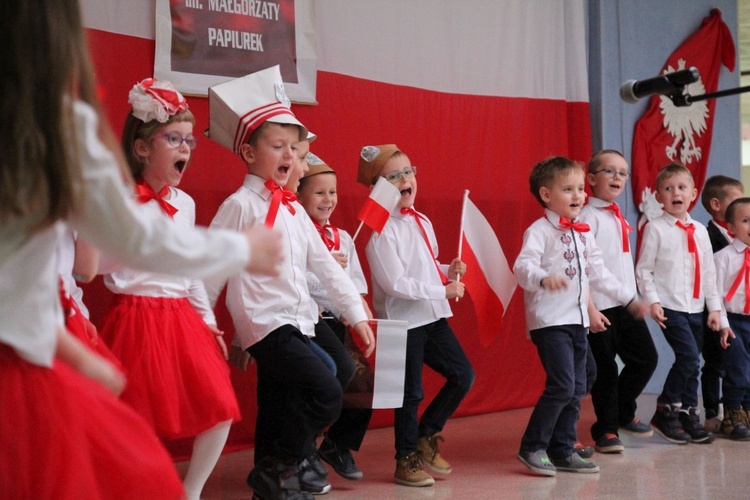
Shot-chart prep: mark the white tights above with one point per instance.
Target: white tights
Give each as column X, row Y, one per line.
column 206, row 451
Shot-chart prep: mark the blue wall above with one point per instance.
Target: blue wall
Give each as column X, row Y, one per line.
column 632, row 39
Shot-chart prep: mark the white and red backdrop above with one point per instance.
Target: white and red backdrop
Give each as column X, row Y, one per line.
column 474, row 92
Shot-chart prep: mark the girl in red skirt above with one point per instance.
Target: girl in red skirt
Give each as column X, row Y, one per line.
column 158, row 324
column 63, row 433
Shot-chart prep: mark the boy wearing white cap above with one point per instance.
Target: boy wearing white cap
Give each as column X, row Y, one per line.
column 272, row 315
column 409, row 284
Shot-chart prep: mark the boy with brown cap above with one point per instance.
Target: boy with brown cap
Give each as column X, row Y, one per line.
column 409, row 284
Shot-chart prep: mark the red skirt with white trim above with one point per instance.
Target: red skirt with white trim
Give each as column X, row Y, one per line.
column 65, row 436
column 178, row 379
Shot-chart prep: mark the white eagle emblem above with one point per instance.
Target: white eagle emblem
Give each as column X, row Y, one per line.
column 684, row 123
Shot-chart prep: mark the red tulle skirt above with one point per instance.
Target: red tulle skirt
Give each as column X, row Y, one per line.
column 63, row 436
column 83, row 329
column 178, row 379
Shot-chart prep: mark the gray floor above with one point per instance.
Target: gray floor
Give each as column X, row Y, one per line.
column 482, row 450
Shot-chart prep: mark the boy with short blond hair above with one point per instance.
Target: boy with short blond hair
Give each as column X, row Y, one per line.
column 614, row 393
column 558, row 262
column 273, row 316
column 677, row 279
column 409, row 284
column 718, row 192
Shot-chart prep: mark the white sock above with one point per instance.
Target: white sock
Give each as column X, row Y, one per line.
column 206, row 451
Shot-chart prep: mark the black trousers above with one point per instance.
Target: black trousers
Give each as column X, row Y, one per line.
column 614, row 393
column 298, row 396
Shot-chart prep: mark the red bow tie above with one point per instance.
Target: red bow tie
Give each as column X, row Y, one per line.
column 693, row 249
column 331, row 243
column 575, row 226
column 624, row 226
column 419, row 218
column 146, row 193
column 744, row 273
column 278, row 196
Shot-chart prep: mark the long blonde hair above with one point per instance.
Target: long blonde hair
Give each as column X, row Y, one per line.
column 45, row 66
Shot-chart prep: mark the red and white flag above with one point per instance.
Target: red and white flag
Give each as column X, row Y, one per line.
column 488, row 279
column 379, row 379
column 666, row 133
column 383, row 200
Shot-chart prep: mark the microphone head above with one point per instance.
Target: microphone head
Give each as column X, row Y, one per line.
column 627, row 92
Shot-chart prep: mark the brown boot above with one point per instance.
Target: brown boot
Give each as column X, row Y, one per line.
column 428, row 450
column 410, row 472
column 733, row 426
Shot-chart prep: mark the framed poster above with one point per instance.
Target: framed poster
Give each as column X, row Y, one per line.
column 200, row 43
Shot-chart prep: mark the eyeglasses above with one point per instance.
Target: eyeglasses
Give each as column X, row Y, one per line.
column 608, row 172
column 395, row 177
column 175, row 140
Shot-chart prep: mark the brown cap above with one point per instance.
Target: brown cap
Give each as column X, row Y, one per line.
column 371, row 161
column 316, row 165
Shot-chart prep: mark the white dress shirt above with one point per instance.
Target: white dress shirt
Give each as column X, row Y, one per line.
column 606, row 228
column 549, row 250
column 665, row 271
column 729, row 261
column 353, row 269
column 405, row 282
column 66, row 255
column 29, row 301
column 129, row 281
column 260, row 304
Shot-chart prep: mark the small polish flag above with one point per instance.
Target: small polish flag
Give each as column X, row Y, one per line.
column 383, row 199
column 379, row 379
column 492, row 282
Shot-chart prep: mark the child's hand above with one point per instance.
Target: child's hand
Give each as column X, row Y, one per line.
column 456, row 269
column 597, row 321
column 366, row 336
column 454, row 290
column 554, row 283
column 239, row 357
column 265, row 251
column 714, row 321
column 658, row 314
column 104, row 372
column 726, row 334
column 341, row 258
column 637, row 309
column 219, row 340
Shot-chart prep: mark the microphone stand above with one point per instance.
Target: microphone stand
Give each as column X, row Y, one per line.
column 681, row 100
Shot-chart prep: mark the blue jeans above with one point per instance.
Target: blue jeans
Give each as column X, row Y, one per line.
column 563, row 351
column 684, row 334
column 737, row 364
column 436, row 346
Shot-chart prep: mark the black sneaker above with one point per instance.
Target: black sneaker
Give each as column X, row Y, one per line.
column 691, row 422
column 582, row 450
column 272, row 480
column 340, row 459
column 609, row 443
column 319, row 466
column 310, row 480
column 667, row 424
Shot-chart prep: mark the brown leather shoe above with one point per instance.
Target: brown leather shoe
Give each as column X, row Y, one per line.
column 410, row 472
column 428, row 450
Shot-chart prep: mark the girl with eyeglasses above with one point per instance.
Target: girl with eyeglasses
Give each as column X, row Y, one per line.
column 161, row 326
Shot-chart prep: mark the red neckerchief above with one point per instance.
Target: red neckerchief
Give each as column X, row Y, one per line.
column 418, row 218
column 146, row 193
column 744, row 273
column 693, row 249
column 331, row 243
column 278, row 196
column 623, row 225
column 575, row 226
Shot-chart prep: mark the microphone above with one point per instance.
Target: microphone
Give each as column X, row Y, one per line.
column 669, row 84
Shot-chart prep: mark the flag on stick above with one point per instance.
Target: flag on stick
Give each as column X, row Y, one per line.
column 383, row 199
column 488, row 279
column 379, row 379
